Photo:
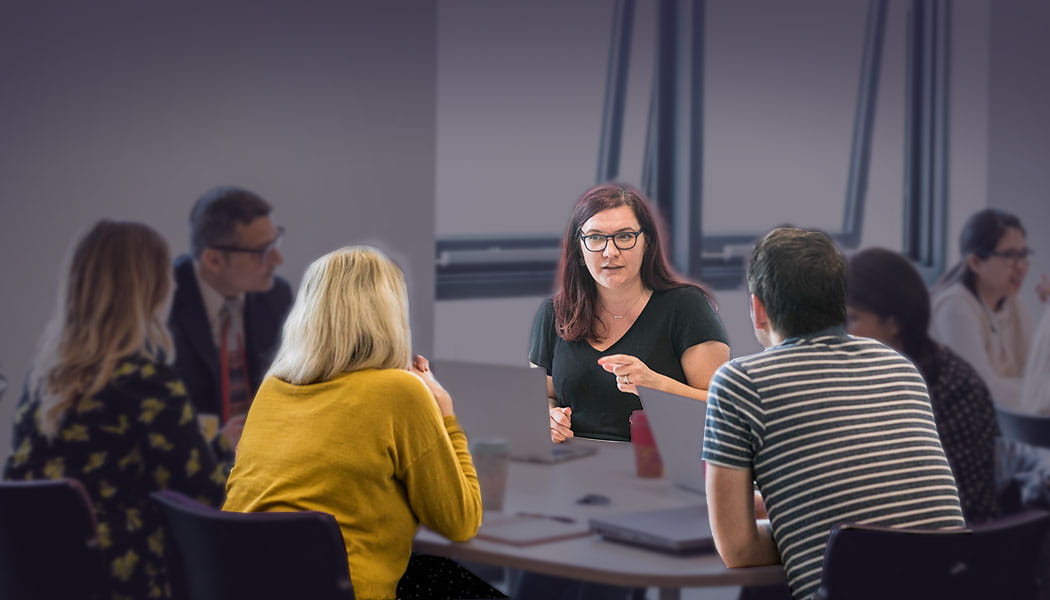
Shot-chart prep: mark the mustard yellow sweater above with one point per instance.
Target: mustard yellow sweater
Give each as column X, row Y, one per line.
column 369, row 447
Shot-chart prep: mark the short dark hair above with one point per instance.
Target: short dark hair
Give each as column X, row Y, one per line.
column 800, row 277
column 575, row 301
column 217, row 213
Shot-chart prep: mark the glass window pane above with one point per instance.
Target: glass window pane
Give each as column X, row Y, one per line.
column 781, row 83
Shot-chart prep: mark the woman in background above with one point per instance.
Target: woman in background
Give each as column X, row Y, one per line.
column 348, row 424
column 886, row 300
column 621, row 318
column 976, row 311
column 102, row 405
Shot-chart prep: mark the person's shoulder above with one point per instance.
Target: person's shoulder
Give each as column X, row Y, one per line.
column 746, row 362
column 281, row 286
column 687, row 298
column 954, row 295
column 280, row 291
column 185, row 275
column 402, row 391
column 545, row 311
column 277, row 300
column 681, row 293
column 956, row 368
column 183, row 265
column 868, row 347
column 400, row 380
column 138, row 369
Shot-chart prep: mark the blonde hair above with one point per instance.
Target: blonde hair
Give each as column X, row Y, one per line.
column 351, row 313
column 112, row 303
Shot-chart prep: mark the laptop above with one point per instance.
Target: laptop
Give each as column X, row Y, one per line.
column 677, row 423
column 508, row 402
column 683, row 530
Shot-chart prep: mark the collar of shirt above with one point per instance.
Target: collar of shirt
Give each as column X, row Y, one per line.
column 213, row 302
column 836, row 331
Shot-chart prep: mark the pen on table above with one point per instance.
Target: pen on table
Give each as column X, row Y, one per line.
column 559, row 518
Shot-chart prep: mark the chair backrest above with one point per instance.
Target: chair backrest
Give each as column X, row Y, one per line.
column 48, row 543
column 214, row 554
column 1030, row 429
column 998, row 559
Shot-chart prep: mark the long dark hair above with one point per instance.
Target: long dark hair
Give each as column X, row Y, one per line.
column 980, row 235
column 575, row 301
column 885, row 283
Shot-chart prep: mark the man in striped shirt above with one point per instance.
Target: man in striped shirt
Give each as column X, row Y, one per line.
column 831, row 428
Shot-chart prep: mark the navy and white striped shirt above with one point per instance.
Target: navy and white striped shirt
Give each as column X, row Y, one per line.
column 835, row 429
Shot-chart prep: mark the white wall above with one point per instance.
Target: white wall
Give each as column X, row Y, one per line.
column 131, row 110
column 1019, row 132
column 522, row 143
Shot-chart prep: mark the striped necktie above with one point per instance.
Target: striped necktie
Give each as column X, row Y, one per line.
column 235, row 393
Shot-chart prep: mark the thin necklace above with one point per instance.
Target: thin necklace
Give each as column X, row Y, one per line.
column 633, row 304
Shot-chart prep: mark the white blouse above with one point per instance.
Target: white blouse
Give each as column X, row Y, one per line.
column 995, row 343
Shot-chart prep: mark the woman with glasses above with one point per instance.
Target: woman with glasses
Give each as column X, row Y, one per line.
column 103, row 406
column 619, row 319
column 976, row 311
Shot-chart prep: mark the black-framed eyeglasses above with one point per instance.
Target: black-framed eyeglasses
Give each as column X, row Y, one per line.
column 1014, row 256
column 263, row 252
column 623, row 240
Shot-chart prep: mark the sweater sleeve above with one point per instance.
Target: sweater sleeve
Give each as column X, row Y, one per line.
column 442, row 486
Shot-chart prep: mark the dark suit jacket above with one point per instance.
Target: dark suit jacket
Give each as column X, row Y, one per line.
column 197, row 358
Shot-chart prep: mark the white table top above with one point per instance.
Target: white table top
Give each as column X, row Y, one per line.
column 554, row 489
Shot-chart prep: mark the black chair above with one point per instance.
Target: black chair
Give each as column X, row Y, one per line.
column 999, row 559
column 219, row 555
column 48, row 543
column 1030, row 429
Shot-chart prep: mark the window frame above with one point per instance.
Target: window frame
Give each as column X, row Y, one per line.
column 486, row 266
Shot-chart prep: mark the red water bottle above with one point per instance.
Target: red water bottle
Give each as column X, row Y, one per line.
column 646, row 457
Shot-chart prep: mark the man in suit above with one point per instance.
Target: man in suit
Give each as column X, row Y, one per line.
column 229, row 306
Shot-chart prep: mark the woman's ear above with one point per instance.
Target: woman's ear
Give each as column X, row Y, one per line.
column 972, row 261
column 893, row 326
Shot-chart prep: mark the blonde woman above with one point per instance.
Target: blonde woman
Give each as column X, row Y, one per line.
column 347, row 423
column 102, row 406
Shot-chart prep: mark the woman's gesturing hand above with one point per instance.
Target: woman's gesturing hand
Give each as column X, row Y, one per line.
column 629, row 371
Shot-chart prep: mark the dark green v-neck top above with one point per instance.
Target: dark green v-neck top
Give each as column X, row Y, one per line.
column 671, row 322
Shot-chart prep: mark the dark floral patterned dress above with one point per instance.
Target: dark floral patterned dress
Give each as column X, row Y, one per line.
column 138, row 435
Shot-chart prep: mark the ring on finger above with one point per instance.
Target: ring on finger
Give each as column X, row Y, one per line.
column 626, row 381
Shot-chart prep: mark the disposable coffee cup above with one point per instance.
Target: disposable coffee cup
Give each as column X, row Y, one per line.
column 491, row 458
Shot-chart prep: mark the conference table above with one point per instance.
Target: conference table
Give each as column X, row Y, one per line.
column 554, row 491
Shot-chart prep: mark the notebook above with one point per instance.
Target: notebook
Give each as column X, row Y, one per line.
column 684, row 530
column 528, row 529
column 505, row 401
column 677, row 423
